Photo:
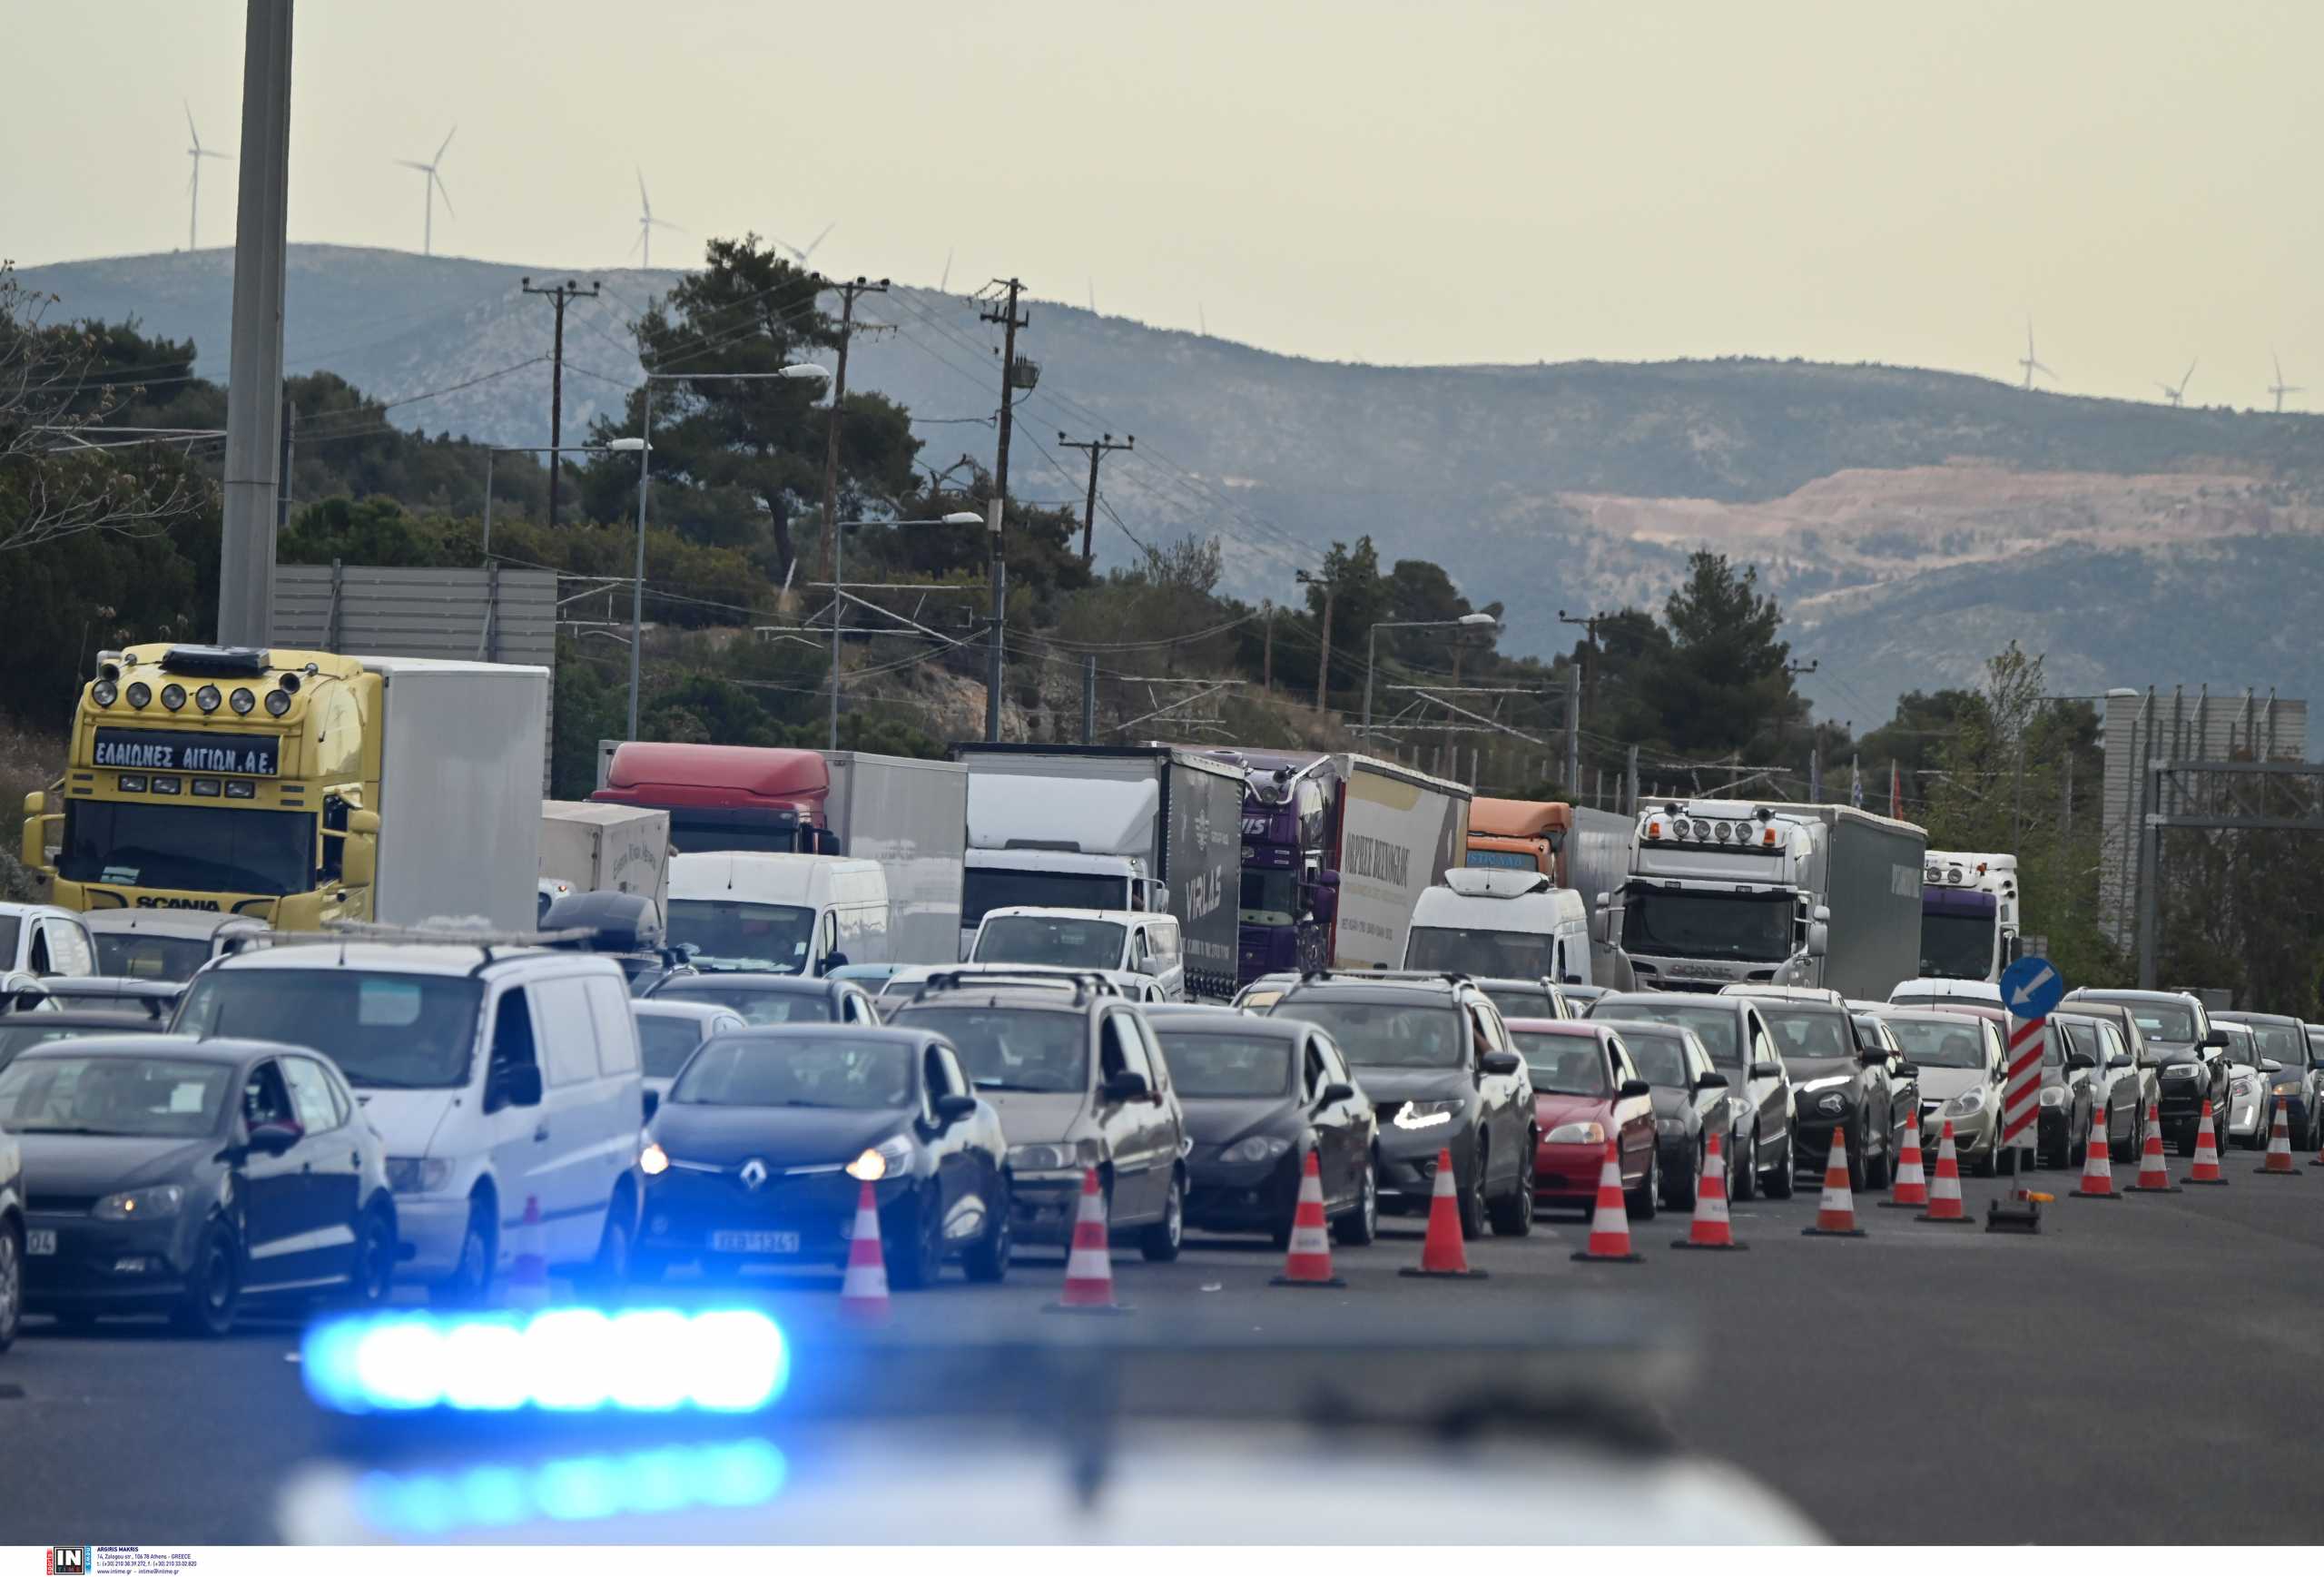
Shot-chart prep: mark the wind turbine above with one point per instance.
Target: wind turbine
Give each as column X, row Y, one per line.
column 2279, row 388
column 433, row 184
column 646, row 223
column 945, row 283
column 2177, row 393
column 194, row 187
column 1093, row 295
column 810, row 251
column 2031, row 362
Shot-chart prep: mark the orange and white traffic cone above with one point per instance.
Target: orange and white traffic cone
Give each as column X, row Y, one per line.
column 529, row 1273
column 2206, row 1169
column 1835, row 1211
column 1441, row 1253
column 1711, row 1227
column 2098, row 1163
column 863, row 1295
column 2278, row 1163
column 1610, row 1229
column 1945, row 1193
column 1309, row 1262
column 1090, row 1263
column 1910, row 1190
column 2154, row 1173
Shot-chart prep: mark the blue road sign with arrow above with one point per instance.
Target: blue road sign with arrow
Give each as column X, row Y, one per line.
column 2031, row 987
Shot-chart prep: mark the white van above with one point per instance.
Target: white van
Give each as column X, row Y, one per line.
column 498, row 1077
column 1488, row 922
column 1138, row 951
column 784, row 913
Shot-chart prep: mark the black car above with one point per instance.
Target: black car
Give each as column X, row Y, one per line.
column 189, row 1175
column 1690, row 1103
column 1904, row 1079
column 766, row 1000
column 2190, row 1066
column 12, row 1238
column 20, row 1032
column 1259, row 1094
column 760, row 1152
column 2298, row 1081
column 1838, row 1085
column 2073, row 1052
column 1436, row 1062
column 1759, row 1142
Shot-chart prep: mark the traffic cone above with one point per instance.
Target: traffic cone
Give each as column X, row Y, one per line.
column 1945, row 1193
column 2206, row 1169
column 863, row 1295
column 2098, row 1164
column 1441, row 1253
column 2278, row 1163
column 528, row 1274
column 1089, row 1264
column 1309, row 1262
column 2154, row 1174
column 1836, row 1212
column 1711, row 1229
column 1910, row 1190
column 1610, row 1229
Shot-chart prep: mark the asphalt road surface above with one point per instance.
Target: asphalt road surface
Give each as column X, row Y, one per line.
column 2146, row 1371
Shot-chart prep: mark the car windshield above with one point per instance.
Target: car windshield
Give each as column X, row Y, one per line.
column 1518, row 953
column 194, row 848
column 1750, row 926
column 1062, row 940
column 851, row 1072
column 1958, row 947
column 986, row 888
column 2164, row 1022
column 2281, row 1042
column 386, row 1031
column 1564, row 1064
column 23, row 1031
column 2239, row 1043
column 1384, row 1034
column 1716, row 1028
column 1661, row 1059
column 140, row 955
column 726, row 935
column 1933, row 1044
column 756, row 1004
column 1519, row 1002
column 1205, row 1065
column 1807, row 1033
column 1270, row 897
column 666, row 1042
column 1024, row 1048
column 130, row 1097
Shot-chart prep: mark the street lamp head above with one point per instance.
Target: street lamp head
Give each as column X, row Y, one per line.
column 806, row 371
column 1479, row 618
column 964, row 518
column 625, row 446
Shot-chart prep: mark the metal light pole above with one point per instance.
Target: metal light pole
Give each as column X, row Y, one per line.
column 1372, row 648
column 644, row 446
column 532, row 449
column 839, row 590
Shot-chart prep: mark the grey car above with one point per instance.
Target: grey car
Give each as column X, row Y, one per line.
column 2298, row 1080
column 2126, row 1078
column 1691, row 1102
column 2190, row 1052
column 1762, row 1140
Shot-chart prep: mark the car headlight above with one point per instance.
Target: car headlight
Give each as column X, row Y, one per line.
column 1043, row 1157
column 418, row 1174
column 1419, row 1114
column 1258, row 1147
column 1968, row 1103
column 2179, row 1071
column 652, row 1160
column 2293, row 1088
column 1832, row 1104
column 1670, row 1125
column 140, row 1203
column 2241, row 1087
column 1578, row 1133
column 890, row 1155
column 2053, row 1094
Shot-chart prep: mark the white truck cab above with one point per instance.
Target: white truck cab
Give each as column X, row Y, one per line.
column 1491, row 921
column 504, row 1080
column 785, row 913
column 1140, row 952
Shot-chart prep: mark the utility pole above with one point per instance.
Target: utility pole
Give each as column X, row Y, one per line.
column 290, row 452
column 254, row 391
column 1098, row 448
column 558, row 295
column 1629, row 783
column 1323, row 663
column 1573, row 730
column 1010, row 322
column 1267, row 652
column 1090, row 699
column 859, row 286
column 1589, row 624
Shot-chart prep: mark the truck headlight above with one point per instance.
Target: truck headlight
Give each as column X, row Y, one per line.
column 104, row 692
column 418, row 1174
column 1259, row 1147
column 207, row 697
column 140, row 1203
column 241, row 701
column 173, row 696
column 141, row 694
column 278, row 702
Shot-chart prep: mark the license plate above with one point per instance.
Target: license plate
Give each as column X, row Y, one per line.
column 754, row 1242
column 41, row 1241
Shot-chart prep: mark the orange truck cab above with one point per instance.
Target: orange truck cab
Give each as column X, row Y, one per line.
column 1519, row 835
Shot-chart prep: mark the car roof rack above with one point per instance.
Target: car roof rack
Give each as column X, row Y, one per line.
column 1085, row 983
column 428, row 934
column 1450, row 977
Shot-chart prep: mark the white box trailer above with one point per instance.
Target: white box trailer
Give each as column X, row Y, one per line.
column 1400, row 831
column 460, row 747
column 912, row 817
column 605, row 848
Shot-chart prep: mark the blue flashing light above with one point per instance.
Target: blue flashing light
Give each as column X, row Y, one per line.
column 435, row 1505
column 563, row 1360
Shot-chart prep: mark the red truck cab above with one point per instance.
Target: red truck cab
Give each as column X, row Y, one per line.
column 727, row 797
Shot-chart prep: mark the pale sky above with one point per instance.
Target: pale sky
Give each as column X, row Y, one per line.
column 1463, row 180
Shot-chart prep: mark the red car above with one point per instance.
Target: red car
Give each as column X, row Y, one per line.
column 1586, row 1090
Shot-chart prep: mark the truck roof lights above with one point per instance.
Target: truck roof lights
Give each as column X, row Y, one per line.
column 278, row 702
column 104, row 692
column 141, row 694
column 1768, row 835
column 1724, row 831
column 241, row 700
column 207, row 697
column 173, row 696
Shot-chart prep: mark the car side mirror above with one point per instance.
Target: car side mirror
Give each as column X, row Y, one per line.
column 1909, row 1070
column 514, row 1084
column 1149, row 965
column 1633, row 1088
column 359, row 851
column 1872, row 1056
column 1126, row 1087
column 1335, row 1093
column 1767, row 1071
column 2215, row 1038
column 274, row 1138
column 1714, row 1080
column 2077, row 1061
column 652, row 1101
column 833, row 961
column 957, row 1107
column 2270, row 1065
column 1499, row 1064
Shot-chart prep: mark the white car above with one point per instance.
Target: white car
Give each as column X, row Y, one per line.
column 2248, row 1112
column 40, row 939
column 1136, row 950
column 1942, row 990
column 668, row 1031
column 165, row 944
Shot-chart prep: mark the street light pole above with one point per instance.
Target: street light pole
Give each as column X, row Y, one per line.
column 1372, row 648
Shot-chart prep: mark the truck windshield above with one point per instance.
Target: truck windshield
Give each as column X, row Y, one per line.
column 1957, row 947
column 386, row 1031
column 1752, row 926
column 742, row 936
column 1523, row 955
column 1270, row 897
column 724, row 831
column 194, row 848
column 1051, row 939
